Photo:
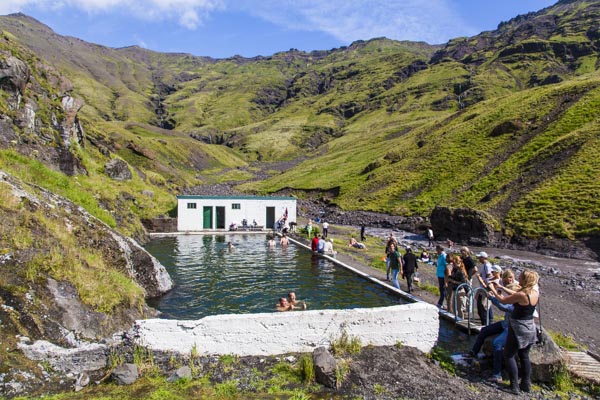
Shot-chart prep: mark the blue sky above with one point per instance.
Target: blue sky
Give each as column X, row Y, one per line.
column 223, row 28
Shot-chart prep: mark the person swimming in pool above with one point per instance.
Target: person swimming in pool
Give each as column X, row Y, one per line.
column 290, row 303
column 295, row 302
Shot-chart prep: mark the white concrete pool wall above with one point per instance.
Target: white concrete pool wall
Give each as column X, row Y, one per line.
column 414, row 325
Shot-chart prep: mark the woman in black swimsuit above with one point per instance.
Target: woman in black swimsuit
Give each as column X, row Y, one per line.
column 521, row 329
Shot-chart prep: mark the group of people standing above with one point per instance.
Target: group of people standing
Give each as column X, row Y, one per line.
column 517, row 332
column 405, row 266
column 456, row 274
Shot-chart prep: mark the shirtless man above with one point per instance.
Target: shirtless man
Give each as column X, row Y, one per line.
column 284, row 241
column 295, row 302
column 285, row 305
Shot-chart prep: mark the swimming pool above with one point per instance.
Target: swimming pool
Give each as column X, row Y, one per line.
column 210, row 279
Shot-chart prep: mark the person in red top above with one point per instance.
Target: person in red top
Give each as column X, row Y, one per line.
column 314, row 244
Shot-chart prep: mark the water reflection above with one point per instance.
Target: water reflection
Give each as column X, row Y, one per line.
column 212, row 279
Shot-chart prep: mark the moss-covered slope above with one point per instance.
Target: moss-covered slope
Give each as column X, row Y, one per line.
column 503, row 122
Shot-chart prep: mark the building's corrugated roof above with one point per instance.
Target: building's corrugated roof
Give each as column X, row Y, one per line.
column 195, row 197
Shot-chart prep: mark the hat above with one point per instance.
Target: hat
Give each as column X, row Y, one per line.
column 408, row 248
column 482, row 254
column 496, row 268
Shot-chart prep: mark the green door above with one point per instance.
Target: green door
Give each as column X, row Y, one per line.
column 220, row 217
column 207, row 214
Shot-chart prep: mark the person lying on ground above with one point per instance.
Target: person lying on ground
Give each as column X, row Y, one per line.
column 355, row 244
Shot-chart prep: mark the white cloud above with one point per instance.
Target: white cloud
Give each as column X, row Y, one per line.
column 348, row 20
column 188, row 13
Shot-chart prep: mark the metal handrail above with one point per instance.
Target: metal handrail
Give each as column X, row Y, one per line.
column 471, row 293
column 455, row 300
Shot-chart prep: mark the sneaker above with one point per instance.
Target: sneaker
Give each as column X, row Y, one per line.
column 495, row 379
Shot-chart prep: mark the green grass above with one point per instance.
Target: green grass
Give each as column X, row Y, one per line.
column 566, row 342
column 345, row 344
column 443, row 357
column 37, row 173
column 307, row 368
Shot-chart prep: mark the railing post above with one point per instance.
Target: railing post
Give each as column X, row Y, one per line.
column 456, row 300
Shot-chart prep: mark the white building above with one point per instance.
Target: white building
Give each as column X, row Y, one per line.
column 201, row 213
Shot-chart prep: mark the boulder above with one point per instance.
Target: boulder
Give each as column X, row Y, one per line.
column 181, row 373
column 325, row 366
column 546, row 358
column 14, row 74
column 118, row 170
column 82, row 381
column 464, row 225
column 126, row 374
column 85, row 357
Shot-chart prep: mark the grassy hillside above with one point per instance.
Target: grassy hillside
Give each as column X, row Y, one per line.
column 505, row 121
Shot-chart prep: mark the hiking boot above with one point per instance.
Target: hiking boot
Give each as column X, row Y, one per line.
column 525, row 387
column 495, row 379
column 513, row 390
column 468, row 354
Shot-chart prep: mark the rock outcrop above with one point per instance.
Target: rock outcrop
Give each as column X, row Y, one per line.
column 464, row 225
column 118, row 170
column 66, row 314
column 14, row 74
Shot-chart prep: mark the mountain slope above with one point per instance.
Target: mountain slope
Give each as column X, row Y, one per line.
column 504, row 122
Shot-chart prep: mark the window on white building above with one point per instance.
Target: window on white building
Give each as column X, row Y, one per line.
column 236, row 206
column 191, row 205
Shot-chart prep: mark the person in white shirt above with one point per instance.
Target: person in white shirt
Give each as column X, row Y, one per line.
column 329, row 248
column 325, row 228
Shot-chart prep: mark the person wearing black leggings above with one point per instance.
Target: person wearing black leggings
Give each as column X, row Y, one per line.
column 521, row 329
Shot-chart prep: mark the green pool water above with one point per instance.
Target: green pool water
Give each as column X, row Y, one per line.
column 212, row 280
